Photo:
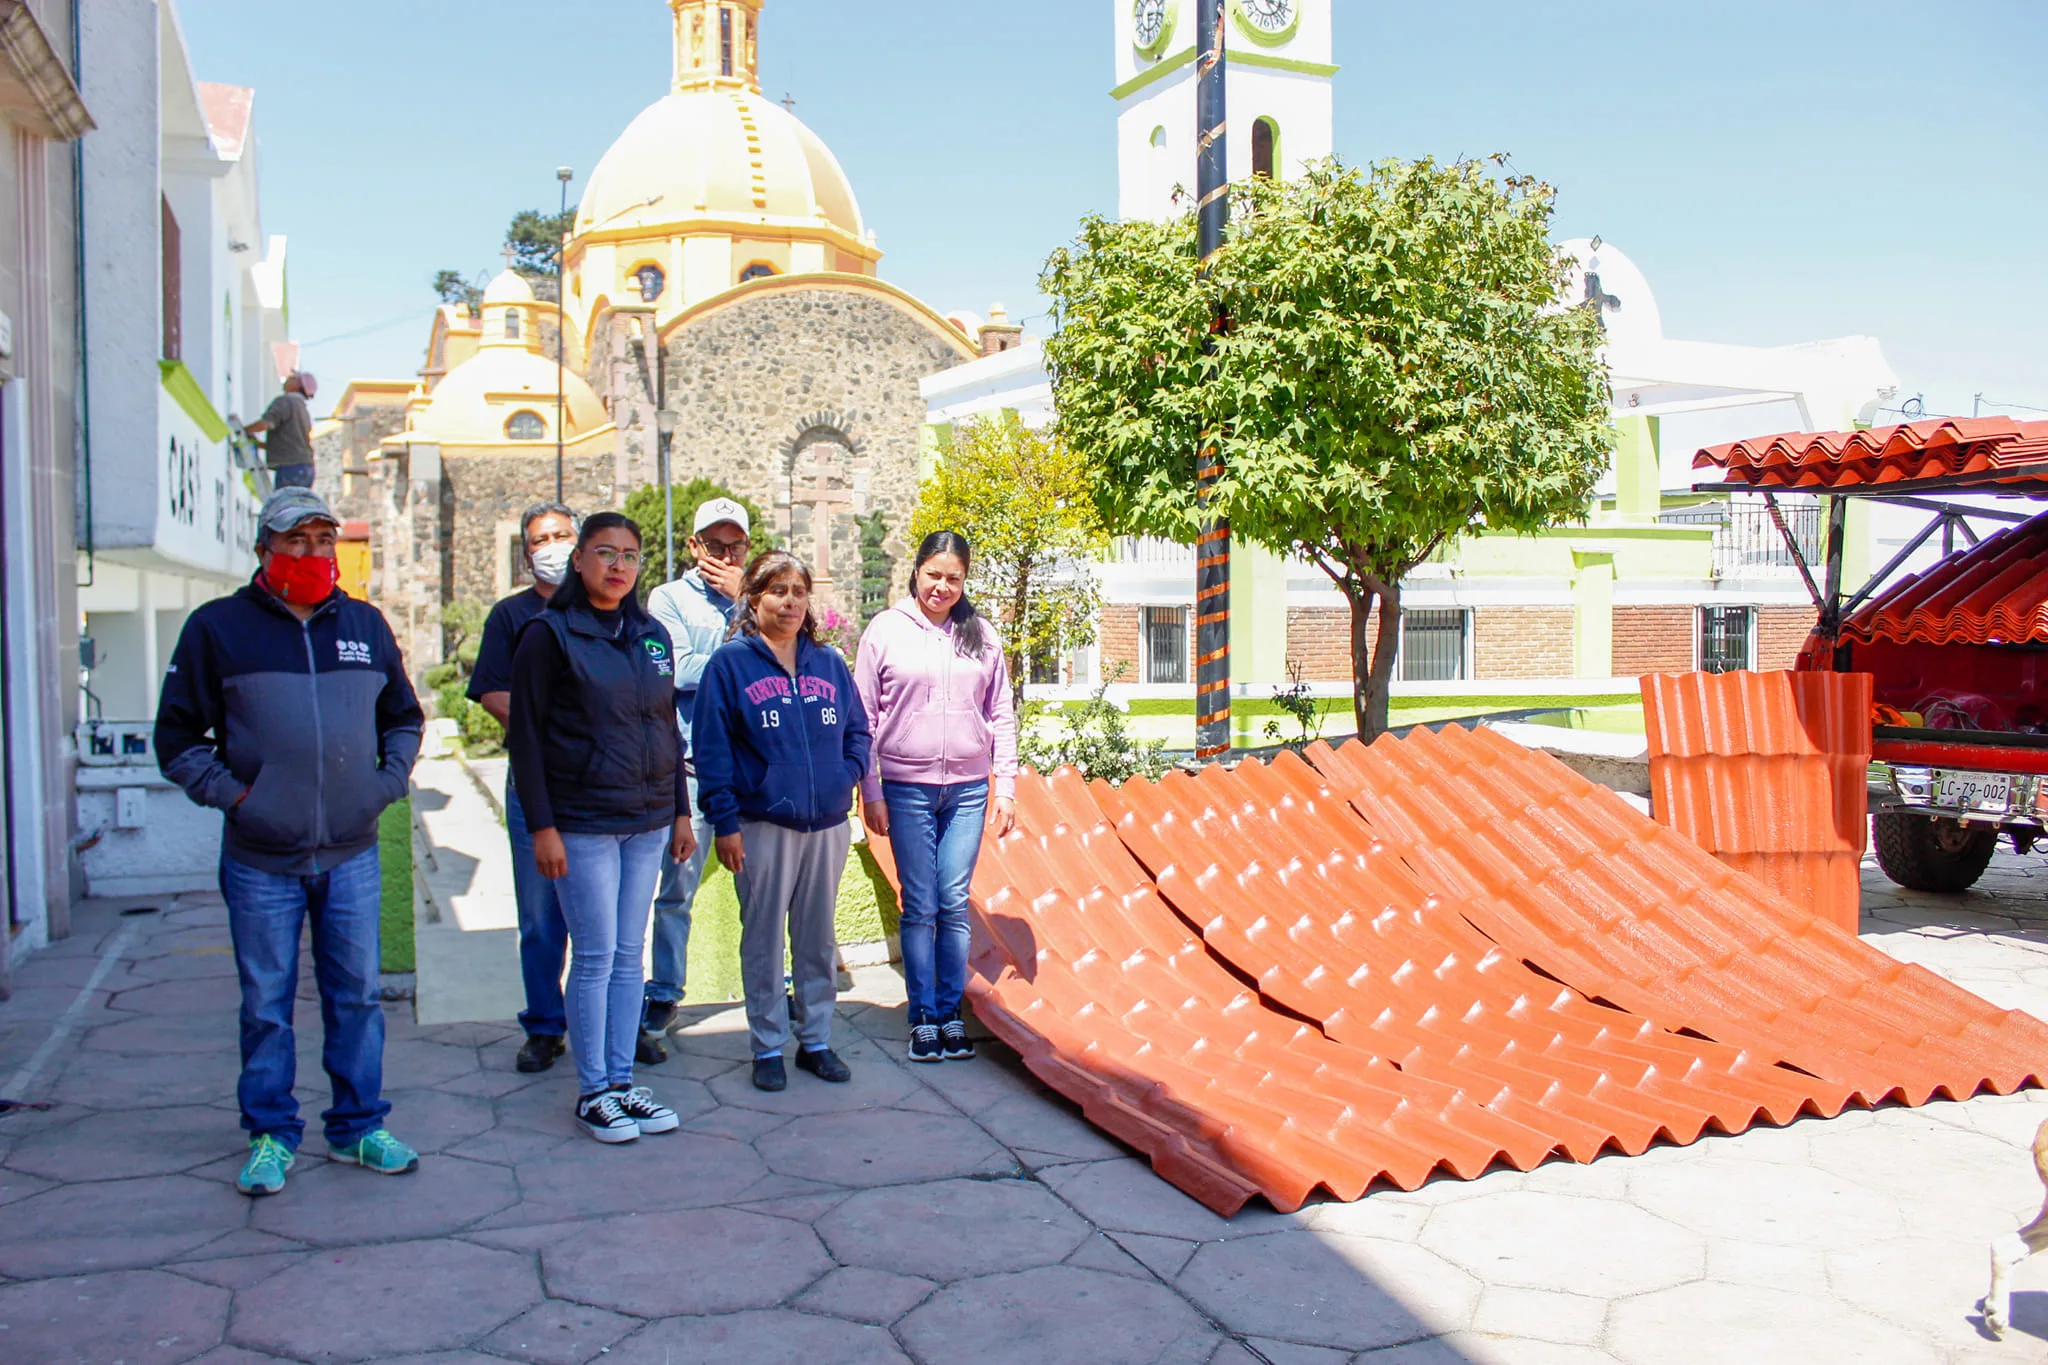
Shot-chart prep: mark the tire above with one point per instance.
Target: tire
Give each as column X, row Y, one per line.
column 1925, row 853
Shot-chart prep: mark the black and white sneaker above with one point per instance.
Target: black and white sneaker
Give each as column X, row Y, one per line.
column 953, row 1039
column 604, row 1117
column 925, row 1045
column 649, row 1114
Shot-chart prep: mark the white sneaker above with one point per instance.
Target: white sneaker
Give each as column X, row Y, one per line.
column 648, row 1114
column 604, row 1117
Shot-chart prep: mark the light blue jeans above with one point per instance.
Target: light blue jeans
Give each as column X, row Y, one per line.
column 605, row 898
column 935, row 833
column 673, row 902
column 265, row 912
column 543, row 936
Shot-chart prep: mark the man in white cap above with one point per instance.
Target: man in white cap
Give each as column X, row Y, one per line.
column 287, row 707
column 288, row 449
column 697, row 610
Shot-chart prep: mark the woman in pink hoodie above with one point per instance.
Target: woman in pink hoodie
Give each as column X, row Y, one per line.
column 937, row 692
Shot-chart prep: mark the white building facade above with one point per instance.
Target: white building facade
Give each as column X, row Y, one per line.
column 186, row 299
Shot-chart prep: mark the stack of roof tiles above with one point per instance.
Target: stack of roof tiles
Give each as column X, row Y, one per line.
column 1990, row 450
column 1995, row 591
column 1429, row 955
column 1768, row 772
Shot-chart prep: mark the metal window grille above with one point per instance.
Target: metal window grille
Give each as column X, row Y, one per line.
column 1166, row 644
column 1433, row 645
column 1045, row 668
column 1726, row 634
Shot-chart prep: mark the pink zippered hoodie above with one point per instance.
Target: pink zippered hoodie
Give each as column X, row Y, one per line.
column 939, row 716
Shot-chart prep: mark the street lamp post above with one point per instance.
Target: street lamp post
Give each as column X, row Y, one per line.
column 665, row 428
column 1212, row 549
column 564, row 175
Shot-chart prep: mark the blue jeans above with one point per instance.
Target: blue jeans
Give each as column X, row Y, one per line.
column 291, row 476
column 605, row 898
column 265, row 910
column 543, row 934
column 935, row 832
column 672, row 905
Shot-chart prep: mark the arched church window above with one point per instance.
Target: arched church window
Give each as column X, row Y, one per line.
column 758, row 270
column 651, row 281
column 511, row 324
column 725, row 42
column 1265, row 143
column 525, row 426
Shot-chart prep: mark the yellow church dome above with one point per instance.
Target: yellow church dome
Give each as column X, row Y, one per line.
column 510, row 287
column 717, row 152
column 506, row 396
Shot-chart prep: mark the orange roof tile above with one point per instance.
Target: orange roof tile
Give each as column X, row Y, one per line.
column 1462, row 953
column 1985, row 452
column 227, row 114
column 1994, row 592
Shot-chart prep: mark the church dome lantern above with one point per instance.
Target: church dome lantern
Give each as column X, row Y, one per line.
column 712, row 186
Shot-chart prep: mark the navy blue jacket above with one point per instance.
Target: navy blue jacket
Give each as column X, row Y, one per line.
column 788, row 750
column 302, row 731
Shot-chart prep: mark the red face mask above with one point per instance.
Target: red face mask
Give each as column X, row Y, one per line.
column 306, row 580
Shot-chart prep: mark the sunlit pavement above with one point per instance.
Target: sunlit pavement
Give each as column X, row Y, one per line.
column 946, row 1213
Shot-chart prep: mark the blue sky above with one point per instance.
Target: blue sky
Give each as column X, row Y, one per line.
column 1781, row 171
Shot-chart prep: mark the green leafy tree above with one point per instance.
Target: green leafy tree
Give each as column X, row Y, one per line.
column 1021, row 498
column 644, row 506
column 875, row 563
column 450, row 287
column 536, row 239
column 1397, row 366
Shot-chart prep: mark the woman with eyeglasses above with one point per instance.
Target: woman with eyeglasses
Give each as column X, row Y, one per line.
column 598, row 763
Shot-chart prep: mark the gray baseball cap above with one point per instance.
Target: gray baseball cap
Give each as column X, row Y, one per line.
column 710, row 513
column 291, row 506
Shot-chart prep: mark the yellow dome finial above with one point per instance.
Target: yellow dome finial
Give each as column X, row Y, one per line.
column 717, row 43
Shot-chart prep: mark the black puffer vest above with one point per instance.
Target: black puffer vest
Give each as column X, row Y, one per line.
column 611, row 748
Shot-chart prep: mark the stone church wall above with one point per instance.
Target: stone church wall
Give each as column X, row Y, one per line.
column 482, row 497
column 806, row 401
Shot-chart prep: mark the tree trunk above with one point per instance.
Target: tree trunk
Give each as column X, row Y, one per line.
column 1019, row 665
column 1372, row 661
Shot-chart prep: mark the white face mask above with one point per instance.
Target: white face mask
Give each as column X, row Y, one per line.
column 551, row 562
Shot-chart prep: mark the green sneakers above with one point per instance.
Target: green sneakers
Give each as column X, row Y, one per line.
column 377, row 1151
column 263, row 1173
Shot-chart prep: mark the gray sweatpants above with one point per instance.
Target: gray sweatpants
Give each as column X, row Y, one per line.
column 791, row 878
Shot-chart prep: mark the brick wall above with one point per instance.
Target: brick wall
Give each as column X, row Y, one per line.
column 1116, row 644
column 1654, row 640
column 1521, row 642
column 1780, row 631
column 1319, row 641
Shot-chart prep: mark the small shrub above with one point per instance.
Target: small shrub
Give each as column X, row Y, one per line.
column 440, row 675
column 1094, row 738
column 1296, row 701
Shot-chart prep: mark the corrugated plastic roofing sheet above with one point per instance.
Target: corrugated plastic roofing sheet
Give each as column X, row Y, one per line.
column 1767, row 771
column 1997, row 590
column 1462, row 953
column 1985, row 451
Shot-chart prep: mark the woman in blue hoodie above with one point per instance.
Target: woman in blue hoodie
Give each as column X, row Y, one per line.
column 781, row 741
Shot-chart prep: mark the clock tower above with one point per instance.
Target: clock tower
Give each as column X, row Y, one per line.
column 1278, row 93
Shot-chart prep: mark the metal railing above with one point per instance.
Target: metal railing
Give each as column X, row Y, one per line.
column 1746, row 540
column 1152, row 552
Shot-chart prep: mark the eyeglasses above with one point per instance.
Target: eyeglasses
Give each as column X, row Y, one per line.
column 725, row 549
column 617, row 559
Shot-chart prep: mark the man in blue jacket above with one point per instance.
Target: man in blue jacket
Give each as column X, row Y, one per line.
column 287, row 707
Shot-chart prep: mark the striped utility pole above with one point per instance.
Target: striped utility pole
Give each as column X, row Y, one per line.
column 1212, row 549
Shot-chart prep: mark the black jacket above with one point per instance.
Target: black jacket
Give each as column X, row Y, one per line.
column 302, row 731
column 593, row 735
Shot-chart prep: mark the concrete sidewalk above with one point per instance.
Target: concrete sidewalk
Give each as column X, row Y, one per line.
column 950, row 1213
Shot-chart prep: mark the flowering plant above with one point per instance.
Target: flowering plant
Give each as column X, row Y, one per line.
column 837, row 629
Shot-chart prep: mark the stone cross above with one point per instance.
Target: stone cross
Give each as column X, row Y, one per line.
column 821, row 497
column 1599, row 300
column 510, row 256
column 789, row 103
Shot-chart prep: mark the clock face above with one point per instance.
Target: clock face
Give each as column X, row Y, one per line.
column 1269, row 16
column 1148, row 19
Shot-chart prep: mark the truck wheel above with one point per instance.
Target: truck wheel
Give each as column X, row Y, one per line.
column 1925, row 853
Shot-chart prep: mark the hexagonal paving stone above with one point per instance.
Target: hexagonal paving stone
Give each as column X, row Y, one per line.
column 111, row 1146
column 558, row 1333
column 186, row 966
column 195, row 995
column 759, row 1336
column 1759, row 1201
column 581, row 1179
column 1352, row 1292
column 1058, row 1313
column 336, row 1205
column 1047, row 1123
column 883, row 1147
column 876, row 1082
column 953, row 1229
column 372, row 1303
column 435, row 1120
column 212, row 1032
column 1614, row 1248
column 695, row 1262
column 1932, row 1165
column 875, row 1296
column 413, row 1063
column 1705, row 1323
column 116, row 1223
column 126, row 1082
column 138, row 1317
column 1128, row 1196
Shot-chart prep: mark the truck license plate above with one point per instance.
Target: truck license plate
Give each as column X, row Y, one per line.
column 1974, row 791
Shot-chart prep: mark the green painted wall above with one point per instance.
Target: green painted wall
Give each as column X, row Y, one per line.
column 1593, row 614
column 1258, row 615
column 1639, row 480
